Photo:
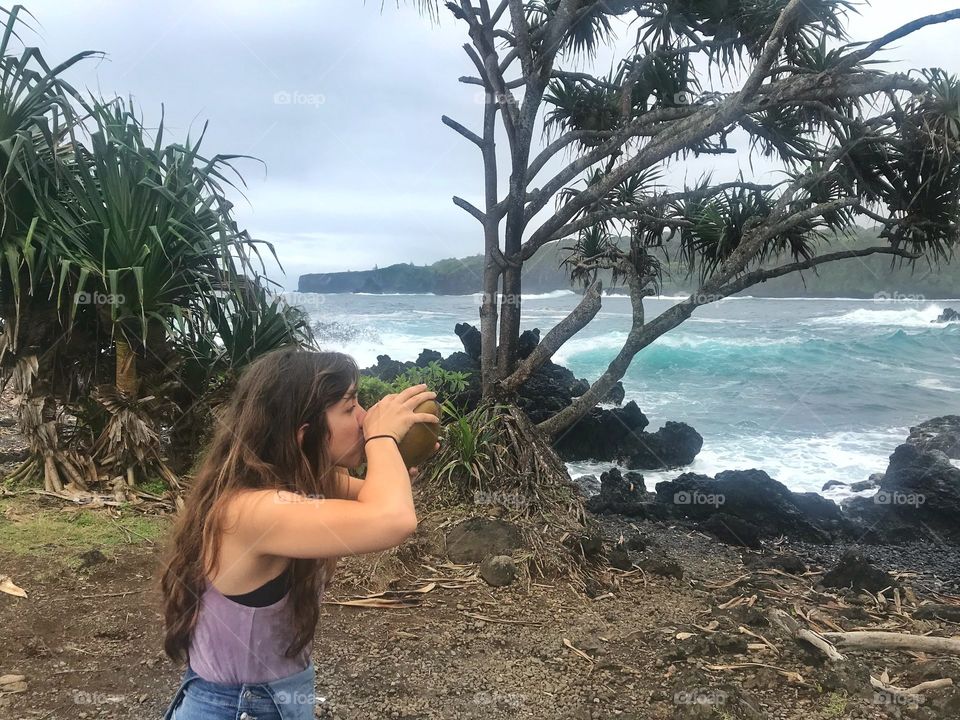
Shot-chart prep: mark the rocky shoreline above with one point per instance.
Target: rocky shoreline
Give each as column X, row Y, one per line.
column 916, row 502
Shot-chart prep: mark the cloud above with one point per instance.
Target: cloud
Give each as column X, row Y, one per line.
column 342, row 102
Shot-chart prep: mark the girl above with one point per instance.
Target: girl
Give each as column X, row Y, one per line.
column 269, row 512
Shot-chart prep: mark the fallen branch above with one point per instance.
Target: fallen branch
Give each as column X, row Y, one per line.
column 789, row 674
column 912, row 695
column 792, row 627
column 900, row 641
column 505, row 621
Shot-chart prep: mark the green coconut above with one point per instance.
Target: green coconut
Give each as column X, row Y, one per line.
column 420, row 442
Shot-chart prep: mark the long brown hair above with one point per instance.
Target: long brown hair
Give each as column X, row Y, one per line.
column 254, row 445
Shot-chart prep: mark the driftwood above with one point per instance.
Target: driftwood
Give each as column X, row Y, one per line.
column 908, row 696
column 780, row 619
column 888, row 640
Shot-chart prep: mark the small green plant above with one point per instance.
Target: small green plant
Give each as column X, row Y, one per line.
column 445, row 383
column 371, row 390
column 470, row 443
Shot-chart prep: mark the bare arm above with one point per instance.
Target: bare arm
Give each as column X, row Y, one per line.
column 382, row 516
column 352, row 484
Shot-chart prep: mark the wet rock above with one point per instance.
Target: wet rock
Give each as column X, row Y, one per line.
column 832, row 484
column 472, row 540
column 674, row 445
column 615, row 395
column 948, row 315
column 919, row 497
column 857, row 572
column 498, row 570
column 941, row 433
column 863, row 485
column 602, row 434
column 529, row 339
column 387, row 369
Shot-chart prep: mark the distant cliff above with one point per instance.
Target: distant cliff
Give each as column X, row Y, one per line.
column 866, row 277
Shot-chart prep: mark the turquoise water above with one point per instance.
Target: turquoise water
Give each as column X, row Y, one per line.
column 809, row 390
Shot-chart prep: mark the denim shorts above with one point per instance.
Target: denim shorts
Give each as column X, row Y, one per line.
column 289, row 698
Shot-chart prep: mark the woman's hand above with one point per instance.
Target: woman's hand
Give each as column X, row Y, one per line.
column 394, row 414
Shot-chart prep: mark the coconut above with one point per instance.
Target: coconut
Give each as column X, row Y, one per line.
column 420, row 442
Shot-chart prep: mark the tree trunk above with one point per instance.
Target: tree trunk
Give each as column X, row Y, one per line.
column 509, row 324
column 488, row 327
column 126, row 372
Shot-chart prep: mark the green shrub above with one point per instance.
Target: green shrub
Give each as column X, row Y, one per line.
column 443, row 382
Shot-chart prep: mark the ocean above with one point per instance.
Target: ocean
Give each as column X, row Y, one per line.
column 809, row 390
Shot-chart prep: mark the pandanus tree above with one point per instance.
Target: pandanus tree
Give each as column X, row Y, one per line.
column 129, row 292
column 586, row 156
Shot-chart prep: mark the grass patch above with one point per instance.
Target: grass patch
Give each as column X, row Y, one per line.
column 26, row 529
column 836, row 706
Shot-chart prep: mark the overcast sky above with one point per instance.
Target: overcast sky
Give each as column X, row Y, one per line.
column 342, row 103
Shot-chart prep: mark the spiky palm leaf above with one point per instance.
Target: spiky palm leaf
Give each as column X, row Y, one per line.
column 591, row 28
column 35, row 114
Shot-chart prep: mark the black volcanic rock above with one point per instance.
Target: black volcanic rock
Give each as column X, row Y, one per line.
column 754, row 497
column 602, row 434
column 940, row 433
column 470, row 337
column 428, row 356
column 948, row 315
column 621, row 494
column 856, row 572
column 674, row 445
column 731, row 530
column 529, row 339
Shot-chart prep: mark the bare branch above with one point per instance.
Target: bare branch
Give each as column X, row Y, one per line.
column 468, row 134
column 758, row 276
column 579, row 318
column 472, row 209
column 809, row 213
column 638, row 337
column 769, row 55
column 901, row 32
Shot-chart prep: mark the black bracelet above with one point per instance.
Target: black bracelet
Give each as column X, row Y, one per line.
column 374, row 437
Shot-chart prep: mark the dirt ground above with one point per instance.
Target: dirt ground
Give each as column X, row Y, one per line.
column 87, row 638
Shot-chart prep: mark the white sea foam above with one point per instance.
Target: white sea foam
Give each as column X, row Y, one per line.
column 537, row 296
column 933, row 383
column 904, row 318
column 401, row 347
column 802, row 464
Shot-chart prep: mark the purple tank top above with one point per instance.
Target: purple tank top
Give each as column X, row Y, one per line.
column 236, row 644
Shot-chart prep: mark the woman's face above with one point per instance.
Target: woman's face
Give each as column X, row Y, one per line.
column 345, row 422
